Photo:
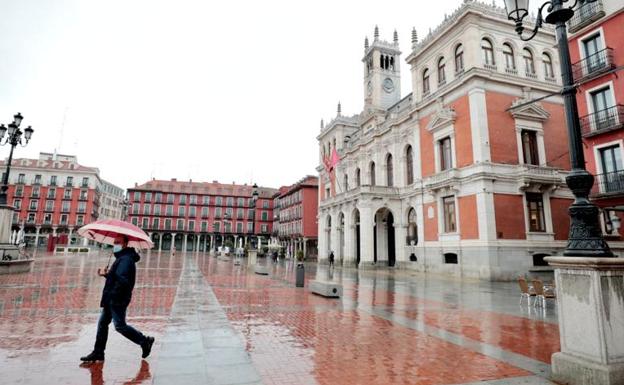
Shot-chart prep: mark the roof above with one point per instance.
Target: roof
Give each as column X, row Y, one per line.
column 203, row 188
column 37, row 164
column 307, row 181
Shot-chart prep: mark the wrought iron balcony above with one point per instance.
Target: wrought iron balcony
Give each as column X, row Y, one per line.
column 609, row 183
column 606, row 120
column 593, row 65
column 585, row 14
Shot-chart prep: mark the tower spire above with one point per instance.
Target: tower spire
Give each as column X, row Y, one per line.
column 339, row 109
column 414, row 37
column 322, row 124
column 376, row 33
column 366, row 43
column 396, row 37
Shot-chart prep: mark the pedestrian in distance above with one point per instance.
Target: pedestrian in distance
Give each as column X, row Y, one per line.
column 116, row 297
column 331, row 259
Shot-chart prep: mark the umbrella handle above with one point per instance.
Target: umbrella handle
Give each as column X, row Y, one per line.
column 108, row 263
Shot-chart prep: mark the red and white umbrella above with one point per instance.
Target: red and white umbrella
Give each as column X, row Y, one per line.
column 107, row 230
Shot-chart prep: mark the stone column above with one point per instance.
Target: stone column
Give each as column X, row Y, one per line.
column 590, row 305
column 305, row 247
column 322, row 238
column 366, row 236
column 196, row 243
column 38, row 229
column 160, row 239
column 173, row 235
column 69, row 236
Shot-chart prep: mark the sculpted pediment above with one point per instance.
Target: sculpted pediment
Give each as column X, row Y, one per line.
column 533, row 111
column 443, row 118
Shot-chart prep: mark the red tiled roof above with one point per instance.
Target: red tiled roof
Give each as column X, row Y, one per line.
column 203, row 188
column 307, row 181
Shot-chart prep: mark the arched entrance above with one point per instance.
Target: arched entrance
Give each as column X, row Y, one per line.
column 356, row 229
column 156, row 241
column 384, row 237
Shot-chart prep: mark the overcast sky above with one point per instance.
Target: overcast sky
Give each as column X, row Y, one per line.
column 208, row 90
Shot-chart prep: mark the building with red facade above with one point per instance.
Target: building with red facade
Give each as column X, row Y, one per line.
column 464, row 175
column 53, row 196
column 199, row 216
column 597, row 49
column 297, row 218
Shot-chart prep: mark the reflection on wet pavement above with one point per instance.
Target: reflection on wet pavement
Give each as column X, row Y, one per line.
column 391, row 327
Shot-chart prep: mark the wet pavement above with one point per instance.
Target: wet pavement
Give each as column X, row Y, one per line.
column 218, row 323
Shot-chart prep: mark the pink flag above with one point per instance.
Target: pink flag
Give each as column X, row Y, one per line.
column 335, row 159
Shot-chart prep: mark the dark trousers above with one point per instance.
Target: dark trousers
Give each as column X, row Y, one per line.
column 117, row 314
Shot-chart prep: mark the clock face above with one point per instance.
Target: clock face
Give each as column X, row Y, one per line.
column 369, row 88
column 388, row 85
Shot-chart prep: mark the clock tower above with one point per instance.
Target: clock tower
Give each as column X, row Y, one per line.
column 382, row 75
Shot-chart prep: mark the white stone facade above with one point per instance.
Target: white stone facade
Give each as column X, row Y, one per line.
column 465, row 175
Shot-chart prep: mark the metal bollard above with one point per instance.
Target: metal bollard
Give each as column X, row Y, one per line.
column 300, row 275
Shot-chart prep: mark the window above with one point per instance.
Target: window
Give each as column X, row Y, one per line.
column 170, row 198
column 19, row 191
column 70, row 181
column 358, row 181
column 64, row 219
column 389, row 171
column 191, row 226
column 33, row 205
column 265, row 204
column 450, row 258
column 265, row 216
column 156, row 209
column 180, row 224
column 409, row 159
column 239, row 227
column 345, row 182
column 31, row 218
column 181, row 211
column 21, row 178
column 146, row 209
column 145, row 223
column 601, row 100
column 548, row 67
column 135, row 208
column 148, row 197
column 167, row 224
column 239, row 213
column 510, row 62
column 228, row 212
column 53, row 180
column 193, row 199
column 17, row 203
column 441, row 72
column 529, row 65
column 264, row 228
column 229, row 201
column 611, row 162
column 83, row 194
column 192, row 212
column 219, row 201
column 158, row 197
column 412, row 228
column 206, row 200
column 448, row 205
column 217, row 227
column 372, row 173
column 52, row 193
column 227, row 227
column 67, row 193
column 35, row 192
column 82, row 207
column 49, row 206
column 204, row 226
column 240, row 202
column 425, row 82
column 218, row 212
column 137, row 196
column 535, row 208
column 47, row 219
column 85, row 182
column 529, row 147
column 65, row 207
column 182, row 199
column 488, row 52
column 446, row 156
column 37, row 179
column 592, row 47
column 169, row 210
column 204, row 212
column 250, row 214
column 459, row 59
column 156, row 223
column 250, row 227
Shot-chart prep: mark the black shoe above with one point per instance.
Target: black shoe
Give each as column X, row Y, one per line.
column 93, row 357
column 147, row 346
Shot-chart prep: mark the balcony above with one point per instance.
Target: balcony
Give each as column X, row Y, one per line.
column 592, row 65
column 585, row 14
column 610, row 183
column 606, row 120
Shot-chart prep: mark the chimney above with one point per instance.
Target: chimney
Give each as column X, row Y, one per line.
column 174, row 179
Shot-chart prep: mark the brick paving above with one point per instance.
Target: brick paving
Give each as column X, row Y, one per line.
column 217, row 323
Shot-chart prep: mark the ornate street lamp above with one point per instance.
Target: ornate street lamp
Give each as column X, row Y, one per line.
column 585, row 238
column 14, row 137
column 254, row 199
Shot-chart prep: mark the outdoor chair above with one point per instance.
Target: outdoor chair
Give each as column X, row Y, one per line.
column 543, row 291
column 525, row 290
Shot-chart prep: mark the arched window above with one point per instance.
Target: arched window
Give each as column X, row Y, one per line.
column 381, row 61
column 488, row 52
column 372, row 173
column 510, row 62
column 412, row 228
column 441, row 72
column 529, row 65
column 409, row 159
column 459, row 58
column 389, row 171
column 548, row 67
column 346, row 183
column 358, row 181
column 425, row 82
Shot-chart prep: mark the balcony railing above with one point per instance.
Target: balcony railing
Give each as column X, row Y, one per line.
column 606, row 120
column 585, row 14
column 609, row 183
column 592, row 65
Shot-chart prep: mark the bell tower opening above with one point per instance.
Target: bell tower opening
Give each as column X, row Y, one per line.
column 382, row 75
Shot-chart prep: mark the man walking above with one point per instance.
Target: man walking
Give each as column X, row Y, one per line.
column 331, row 259
column 116, row 297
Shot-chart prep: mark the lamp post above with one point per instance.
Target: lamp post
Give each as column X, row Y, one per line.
column 14, row 137
column 585, row 238
column 254, row 199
